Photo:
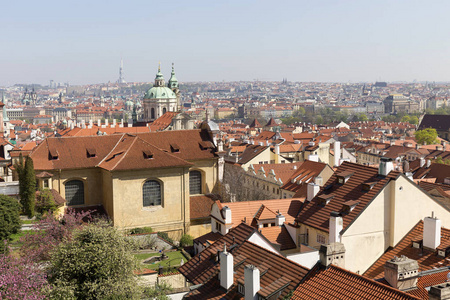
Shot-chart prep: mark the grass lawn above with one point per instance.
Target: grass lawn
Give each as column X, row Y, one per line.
column 15, row 238
column 28, row 221
column 175, row 258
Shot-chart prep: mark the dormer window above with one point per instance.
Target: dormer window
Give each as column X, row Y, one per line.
column 174, row 148
column 344, row 176
column 53, row 153
column 349, row 205
column 147, row 154
column 90, row 152
column 325, row 199
column 367, row 186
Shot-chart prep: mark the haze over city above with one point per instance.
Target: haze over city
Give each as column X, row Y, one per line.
column 358, row 41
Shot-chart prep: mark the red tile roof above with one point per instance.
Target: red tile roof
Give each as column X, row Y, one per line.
column 337, row 283
column 426, row 258
column 273, row 279
column 315, row 214
column 200, row 206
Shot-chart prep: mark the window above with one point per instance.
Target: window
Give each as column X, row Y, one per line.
column 241, row 289
column 74, row 190
column 151, row 193
column 45, row 183
column 195, row 182
column 218, row 226
column 320, row 238
column 164, row 110
column 153, row 113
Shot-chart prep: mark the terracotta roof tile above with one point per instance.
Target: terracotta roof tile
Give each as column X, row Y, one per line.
column 200, row 206
column 315, row 214
column 337, row 283
column 274, row 280
column 426, row 258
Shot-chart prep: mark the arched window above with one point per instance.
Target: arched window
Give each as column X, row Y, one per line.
column 151, row 193
column 153, row 113
column 74, row 192
column 164, row 110
column 195, row 182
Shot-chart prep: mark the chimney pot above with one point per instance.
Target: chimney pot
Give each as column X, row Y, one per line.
column 251, row 282
column 226, row 269
column 431, row 232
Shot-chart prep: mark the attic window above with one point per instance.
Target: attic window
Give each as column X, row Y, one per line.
column 344, row 176
column 147, row 154
column 350, row 205
column 174, row 148
column 367, row 186
column 204, row 145
column 325, row 199
column 53, row 153
column 90, row 152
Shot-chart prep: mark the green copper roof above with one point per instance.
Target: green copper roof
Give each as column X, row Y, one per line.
column 159, row 92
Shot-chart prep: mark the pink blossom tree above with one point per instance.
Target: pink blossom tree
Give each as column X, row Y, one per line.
column 21, row 279
column 50, row 232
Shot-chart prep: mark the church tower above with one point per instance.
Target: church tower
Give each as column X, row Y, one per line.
column 160, row 99
column 173, row 85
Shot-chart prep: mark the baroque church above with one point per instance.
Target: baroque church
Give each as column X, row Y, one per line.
column 161, row 98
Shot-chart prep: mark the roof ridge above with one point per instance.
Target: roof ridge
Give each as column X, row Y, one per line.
column 126, row 151
column 109, row 153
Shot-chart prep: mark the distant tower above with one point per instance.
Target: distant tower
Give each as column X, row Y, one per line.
column 121, row 79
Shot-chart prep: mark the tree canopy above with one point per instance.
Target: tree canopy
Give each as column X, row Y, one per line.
column 95, row 264
column 427, row 135
column 9, row 219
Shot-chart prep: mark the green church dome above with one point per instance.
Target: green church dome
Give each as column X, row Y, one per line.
column 160, row 92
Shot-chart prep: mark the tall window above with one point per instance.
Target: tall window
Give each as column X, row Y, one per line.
column 74, row 192
column 195, row 182
column 153, row 113
column 151, row 193
column 164, row 110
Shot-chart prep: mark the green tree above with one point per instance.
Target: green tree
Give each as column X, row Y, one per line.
column 95, row 264
column 363, row 118
column 28, row 202
column 405, row 119
column 186, row 240
column 427, row 135
column 20, row 169
column 45, row 202
column 414, row 120
column 299, row 112
column 9, row 219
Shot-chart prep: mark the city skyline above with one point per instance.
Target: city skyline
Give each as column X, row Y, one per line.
column 349, row 41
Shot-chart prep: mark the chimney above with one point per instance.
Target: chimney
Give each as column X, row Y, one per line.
column 83, row 124
column 121, row 123
column 226, row 268
column 295, row 167
column 333, row 253
column 99, row 123
column 251, row 282
column 392, row 143
column 227, row 214
column 417, row 146
column 313, row 157
column 90, row 123
column 106, row 122
column 386, row 166
column 318, row 180
column 277, row 149
column 428, row 163
column 267, row 143
column 401, row 272
column 312, row 191
column 439, row 292
column 335, row 227
column 279, row 220
column 422, row 162
column 337, row 153
column 431, row 232
column 114, row 123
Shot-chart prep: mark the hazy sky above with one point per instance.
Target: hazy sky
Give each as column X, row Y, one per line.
column 83, row 41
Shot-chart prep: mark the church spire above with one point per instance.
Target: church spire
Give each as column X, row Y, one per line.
column 173, row 81
column 159, row 80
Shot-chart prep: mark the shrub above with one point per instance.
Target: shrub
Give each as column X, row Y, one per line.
column 9, row 219
column 141, row 230
column 45, row 202
column 186, row 240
